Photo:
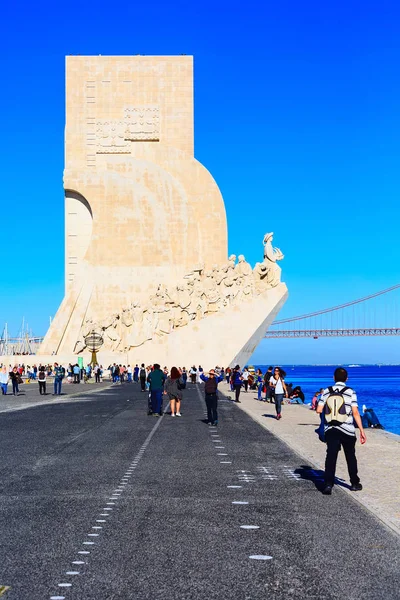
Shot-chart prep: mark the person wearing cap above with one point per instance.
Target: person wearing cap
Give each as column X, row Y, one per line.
column 211, row 395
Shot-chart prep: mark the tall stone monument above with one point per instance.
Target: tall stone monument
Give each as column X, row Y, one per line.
column 146, row 260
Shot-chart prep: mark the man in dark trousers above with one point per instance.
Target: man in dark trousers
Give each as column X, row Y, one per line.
column 339, row 405
column 269, row 390
column 211, row 395
column 156, row 380
column 236, row 381
column 142, row 378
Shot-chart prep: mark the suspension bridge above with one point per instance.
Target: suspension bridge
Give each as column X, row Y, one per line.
column 374, row 315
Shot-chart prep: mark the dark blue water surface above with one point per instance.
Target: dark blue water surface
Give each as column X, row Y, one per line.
column 376, row 386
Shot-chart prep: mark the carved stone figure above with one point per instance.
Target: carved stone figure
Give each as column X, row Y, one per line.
column 199, row 294
column 271, row 256
column 243, row 267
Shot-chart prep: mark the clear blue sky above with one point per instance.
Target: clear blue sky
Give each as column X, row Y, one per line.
column 296, row 115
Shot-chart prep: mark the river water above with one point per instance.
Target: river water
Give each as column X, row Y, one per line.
column 376, row 386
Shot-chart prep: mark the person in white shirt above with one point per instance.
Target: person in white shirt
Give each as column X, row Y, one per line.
column 341, row 434
column 245, row 377
column 278, row 384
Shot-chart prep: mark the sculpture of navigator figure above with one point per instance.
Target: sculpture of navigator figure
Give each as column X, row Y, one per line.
column 271, row 256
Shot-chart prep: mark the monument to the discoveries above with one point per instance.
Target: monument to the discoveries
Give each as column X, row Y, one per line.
column 146, row 262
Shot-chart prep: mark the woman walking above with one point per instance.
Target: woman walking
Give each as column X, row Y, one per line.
column 15, row 380
column 278, row 384
column 260, row 383
column 245, row 377
column 173, row 388
column 4, row 380
column 42, row 381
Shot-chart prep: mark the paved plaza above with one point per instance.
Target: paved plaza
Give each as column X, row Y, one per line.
column 378, row 459
column 98, row 500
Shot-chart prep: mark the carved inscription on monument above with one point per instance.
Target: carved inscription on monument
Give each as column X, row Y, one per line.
column 110, row 137
column 141, row 123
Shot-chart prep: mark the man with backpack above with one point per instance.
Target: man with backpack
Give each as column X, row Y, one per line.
column 211, row 395
column 42, row 381
column 338, row 404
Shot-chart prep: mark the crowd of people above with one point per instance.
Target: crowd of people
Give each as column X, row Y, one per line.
column 336, row 404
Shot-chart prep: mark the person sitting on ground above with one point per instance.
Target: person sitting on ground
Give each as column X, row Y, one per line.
column 173, row 387
column 314, row 401
column 211, row 395
column 370, row 419
column 297, row 396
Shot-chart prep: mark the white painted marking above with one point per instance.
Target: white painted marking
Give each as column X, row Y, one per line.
column 260, row 557
column 221, row 454
column 117, row 491
column 239, row 502
column 249, row 527
column 97, row 527
column 234, row 487
column 111, row 503
column 220, row 447
column 225, row 462
column 78, row 562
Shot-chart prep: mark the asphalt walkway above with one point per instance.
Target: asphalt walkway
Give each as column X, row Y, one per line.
column 378, row 460
column 29, row 395
column 98, row 500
